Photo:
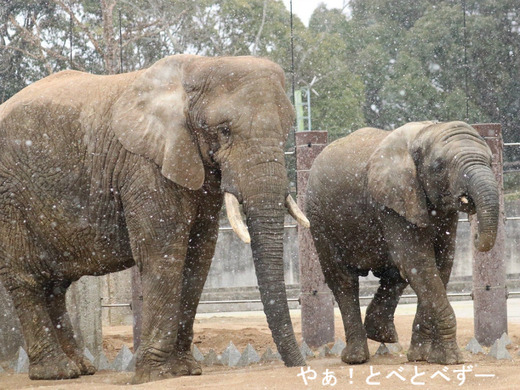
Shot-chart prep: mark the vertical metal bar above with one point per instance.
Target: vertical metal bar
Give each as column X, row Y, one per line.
column 293, row 81
column 70, row 38
column 465, row 60
column 137, row 306
column 309, row 107
column 292, row 52
column 317, row 302
column 120, row 44
column 489, row 271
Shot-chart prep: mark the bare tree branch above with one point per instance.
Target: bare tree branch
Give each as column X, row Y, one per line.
column 36, row 41
column 29, row 36
column 259, row 34
column 111, row 58
column 82, row 26
column 40, row 48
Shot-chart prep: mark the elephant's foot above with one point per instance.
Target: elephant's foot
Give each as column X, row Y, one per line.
column 183, row 363
column 419, row 351
column 355, row 353
column 445, row 353
column 48, row 369
column 382, row 331
column 151, row 374
column 85, row 366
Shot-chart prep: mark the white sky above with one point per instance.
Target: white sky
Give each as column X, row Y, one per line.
column 304, row 8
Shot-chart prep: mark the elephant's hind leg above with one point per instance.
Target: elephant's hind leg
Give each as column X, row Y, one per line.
column 64, row 331
column 24, row 278
column 379, row 318
column 345, row 287
column 46, row 358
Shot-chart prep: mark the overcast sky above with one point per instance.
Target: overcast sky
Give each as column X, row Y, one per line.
column 304, row 8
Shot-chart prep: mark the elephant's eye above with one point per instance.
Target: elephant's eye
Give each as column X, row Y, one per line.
column 224, row 131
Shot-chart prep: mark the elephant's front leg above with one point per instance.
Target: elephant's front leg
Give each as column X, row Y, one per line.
column 202, row 242
column 159, row 216
column 413, row 251
column 444, row 246
column 161, row 277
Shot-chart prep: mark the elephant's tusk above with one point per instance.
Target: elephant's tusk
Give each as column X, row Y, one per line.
column 235, row 218
column 464, row 200
column 295, row 212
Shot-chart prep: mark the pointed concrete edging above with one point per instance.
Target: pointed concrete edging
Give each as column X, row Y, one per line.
column 474, row 347
column 197, row 355
column 212, row 359
column 270, row 356
column 102, row 362
column 22, row 362
column 505, row 338
column 383, row 350
column 394, row 348
column 498, row 350
column 89, row 356
column 338, row 347
column 230, row 356
column 249, row 356
column 324, row 351
column 131, row 364
column 122, row 360
column 306, row 351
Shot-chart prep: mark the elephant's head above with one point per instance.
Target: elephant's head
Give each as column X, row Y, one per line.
column 192, row 115
column 426, row 167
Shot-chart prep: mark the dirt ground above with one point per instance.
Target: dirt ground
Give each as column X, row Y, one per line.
column 215, row 332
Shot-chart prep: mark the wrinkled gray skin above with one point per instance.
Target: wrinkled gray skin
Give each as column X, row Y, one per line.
column 99, row 173
column 387, row 202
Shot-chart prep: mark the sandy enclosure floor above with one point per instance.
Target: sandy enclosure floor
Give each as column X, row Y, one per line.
column 216, row 331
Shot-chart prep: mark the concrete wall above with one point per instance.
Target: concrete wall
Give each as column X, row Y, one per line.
column 462, row 266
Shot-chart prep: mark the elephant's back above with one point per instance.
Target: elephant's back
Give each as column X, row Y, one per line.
column 336, row 199
column 342, row 164
column 69, row 90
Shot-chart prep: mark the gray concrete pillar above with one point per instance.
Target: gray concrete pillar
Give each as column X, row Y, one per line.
column 317, row 301
column 84, row 307
column 10, row 335
column 489, row 271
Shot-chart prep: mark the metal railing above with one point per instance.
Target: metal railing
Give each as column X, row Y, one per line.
column 253, row 301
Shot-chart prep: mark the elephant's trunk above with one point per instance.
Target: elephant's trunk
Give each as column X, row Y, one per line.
column 264, row 206
column 483, row 189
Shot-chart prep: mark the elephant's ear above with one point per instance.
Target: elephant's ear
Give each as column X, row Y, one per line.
column 149, row 119
column 392, row 175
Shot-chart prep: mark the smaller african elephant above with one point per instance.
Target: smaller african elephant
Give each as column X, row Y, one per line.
column 388, row 202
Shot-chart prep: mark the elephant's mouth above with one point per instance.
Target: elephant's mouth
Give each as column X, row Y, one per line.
column 466, row 204
column 238, row 225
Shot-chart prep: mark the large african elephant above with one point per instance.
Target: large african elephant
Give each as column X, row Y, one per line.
column 99, row 173
column 388, row 202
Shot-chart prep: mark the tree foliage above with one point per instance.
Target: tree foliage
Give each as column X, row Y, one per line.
column 386, row 63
